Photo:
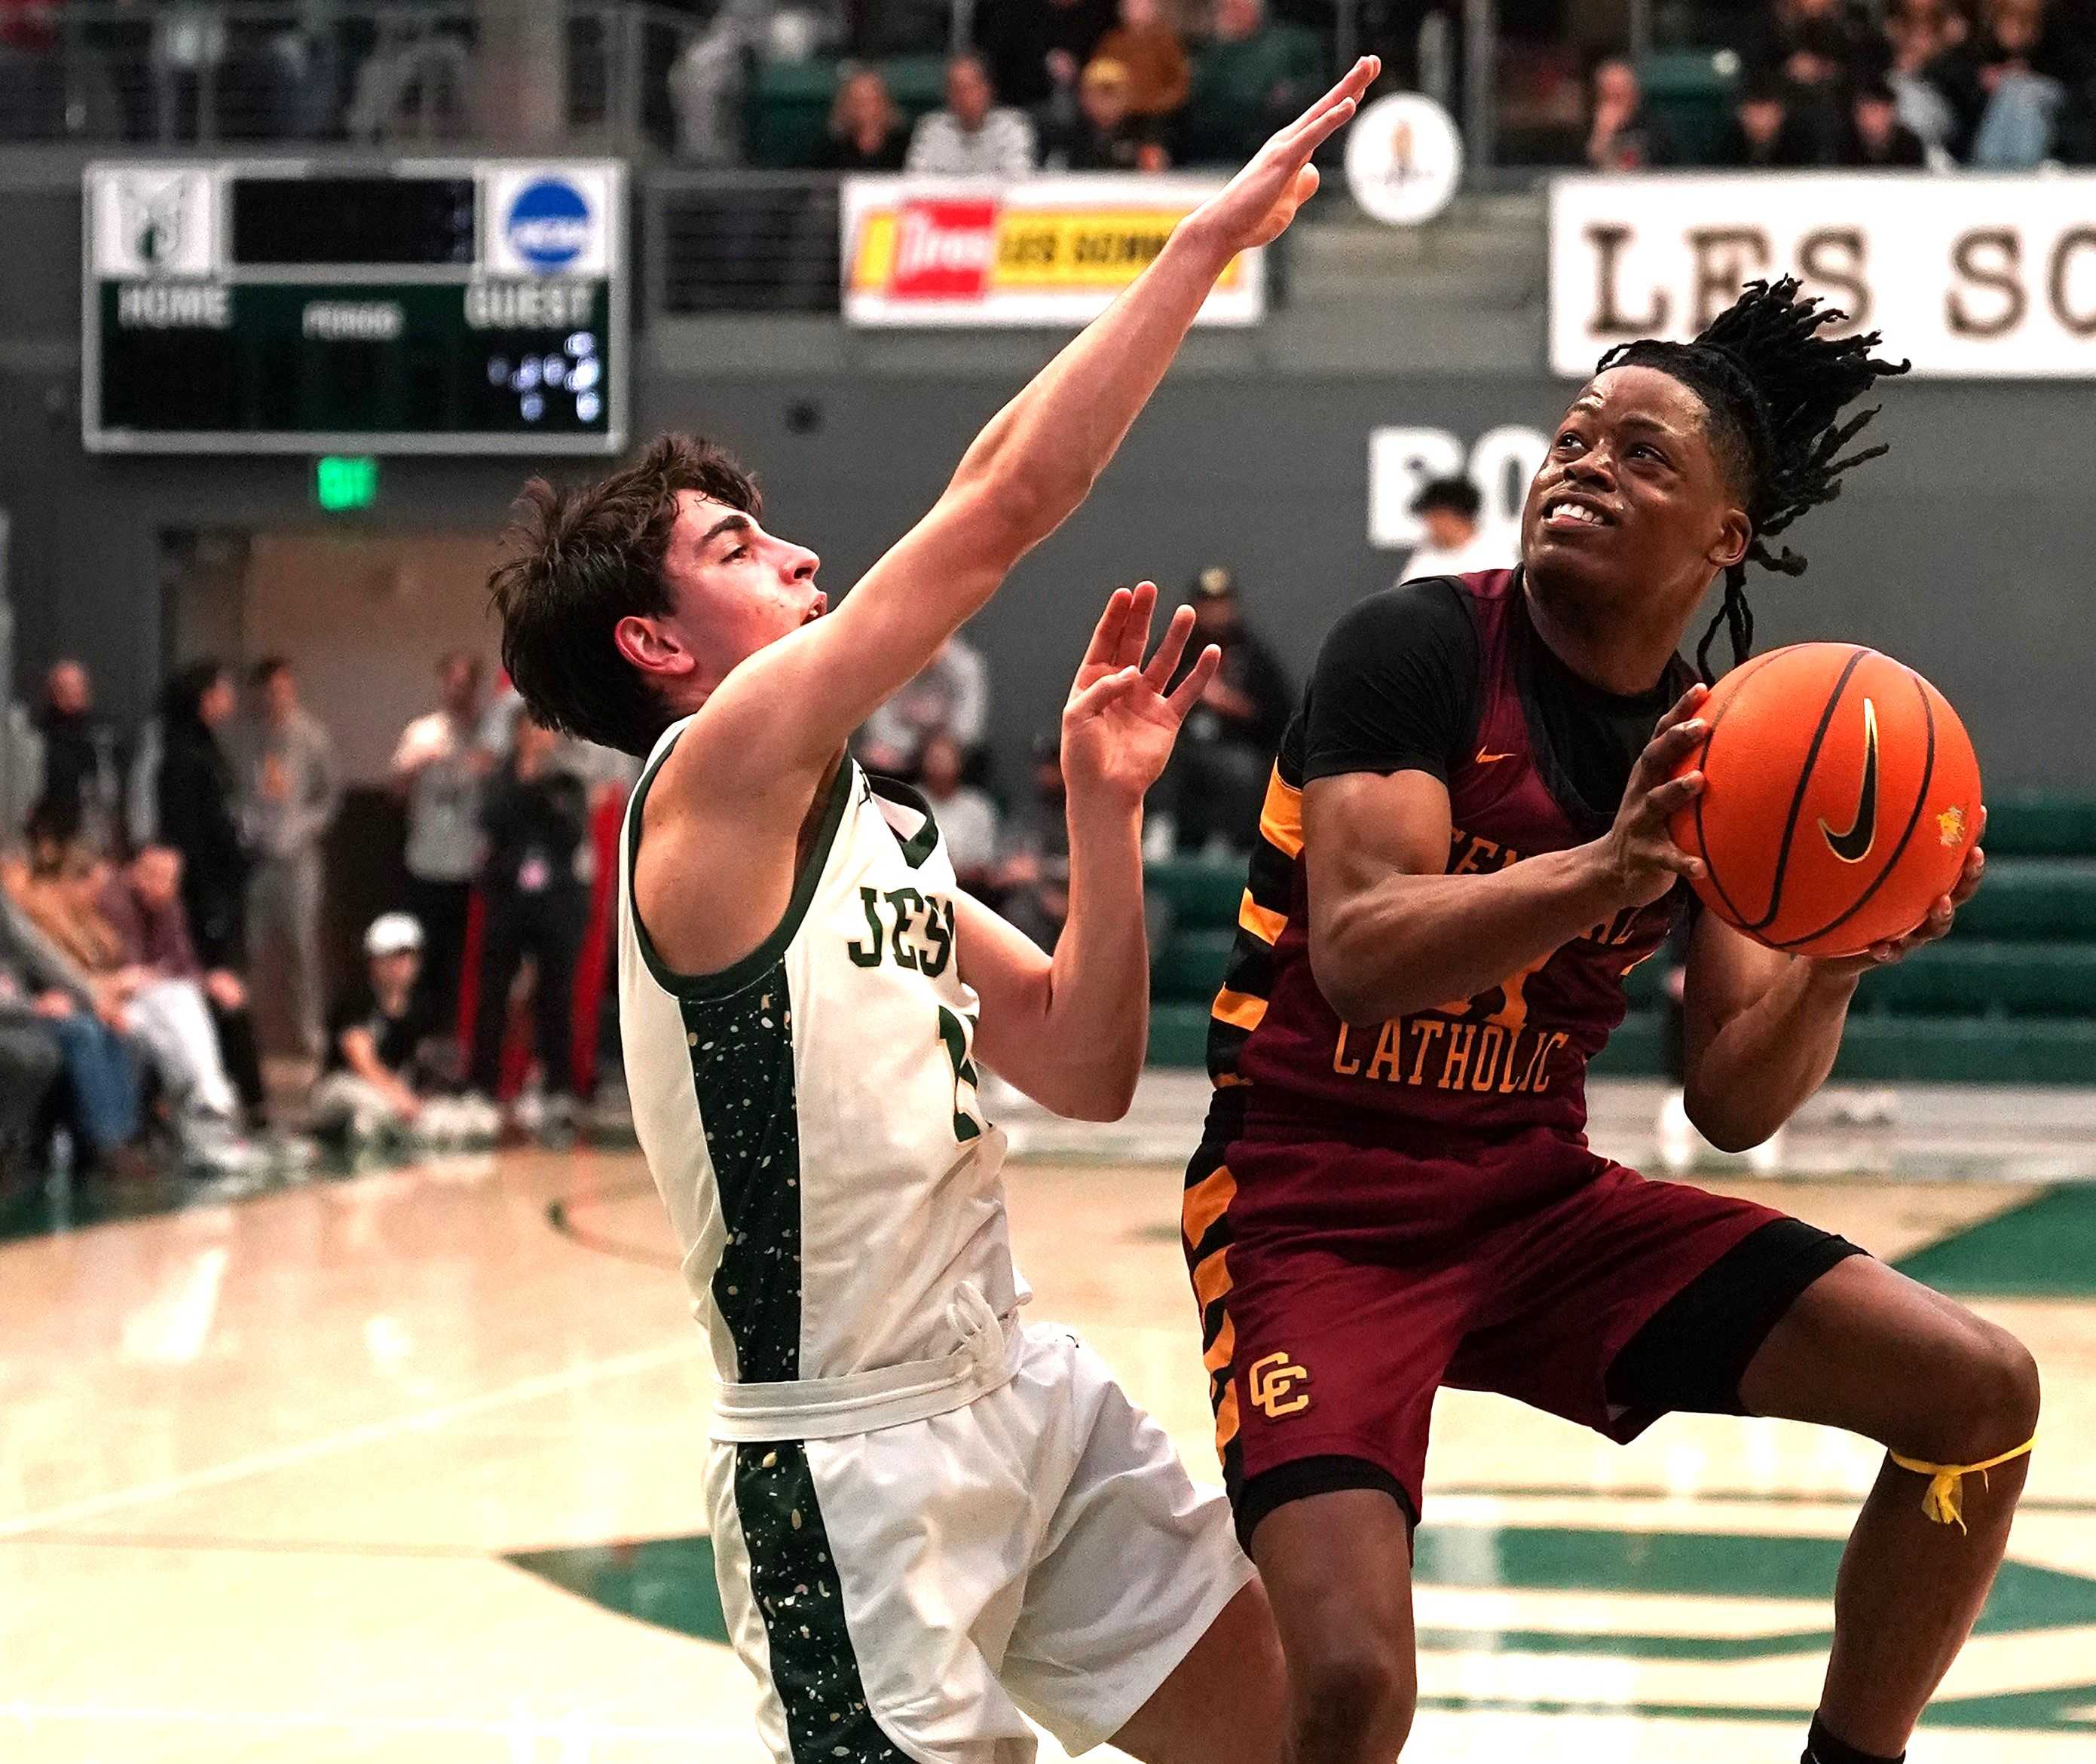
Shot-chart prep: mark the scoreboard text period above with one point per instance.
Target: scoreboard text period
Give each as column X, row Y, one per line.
column 427, row 306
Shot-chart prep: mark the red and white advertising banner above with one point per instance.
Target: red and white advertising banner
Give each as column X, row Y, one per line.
column 1048, row 251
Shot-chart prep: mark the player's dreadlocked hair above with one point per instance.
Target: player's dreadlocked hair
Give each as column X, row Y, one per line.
column 1775, row 390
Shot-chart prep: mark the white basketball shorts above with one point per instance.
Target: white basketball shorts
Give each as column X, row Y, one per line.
column 905, row 1594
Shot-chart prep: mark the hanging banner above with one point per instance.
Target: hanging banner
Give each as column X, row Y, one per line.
column 1972, row 277
column 1051, row 252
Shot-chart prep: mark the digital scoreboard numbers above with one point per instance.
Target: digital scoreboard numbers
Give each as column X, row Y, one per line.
column 298, row 306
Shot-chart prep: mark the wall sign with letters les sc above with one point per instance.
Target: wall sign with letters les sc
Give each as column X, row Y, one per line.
column 1974, row 277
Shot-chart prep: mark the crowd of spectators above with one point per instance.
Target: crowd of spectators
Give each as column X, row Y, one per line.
column 1995, row 84
column 1009, row 845
column 162, row 912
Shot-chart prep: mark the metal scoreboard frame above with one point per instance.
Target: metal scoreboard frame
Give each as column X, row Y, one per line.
column 192, row 252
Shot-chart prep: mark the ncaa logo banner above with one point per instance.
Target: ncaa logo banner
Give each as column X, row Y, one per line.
column 153, row 220
column 547, row 219
column 1055, row 251
column 1972, row 276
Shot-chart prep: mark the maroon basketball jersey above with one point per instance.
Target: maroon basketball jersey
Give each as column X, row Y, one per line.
column 1510, row 1060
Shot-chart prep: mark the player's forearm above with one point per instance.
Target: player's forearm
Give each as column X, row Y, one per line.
column 1038, row 458
column 1098, row 1017
column 1412, row 942
column 1765, row 1063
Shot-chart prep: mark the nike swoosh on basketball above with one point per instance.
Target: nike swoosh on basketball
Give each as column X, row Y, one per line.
column 1855, row 845
column 1490, row 759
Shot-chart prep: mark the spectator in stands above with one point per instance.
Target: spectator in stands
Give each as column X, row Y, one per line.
column 439, row 767
column 974, row 136
column 290, row 793
column 374, row 1074
column 1249, row 79
column 195, row 795
column 1820, row 73
column 949, row 695
column 2024, row 96
column 966, row 817
column 1798, row 34
column 60, row 893
column 1878, row 141
column 1106, row 137
column 30, row 1063
column 78, row 774
column 1449, row 509
column 1761, row 136
column 1920, row 36
column 866, row 132
column 1217, row 778
column 100, row 1098
column 1036, row 48
column 1034, row 876
column 1148, row 46
column 1625, row 136
column 534, row 816
column 142, row 903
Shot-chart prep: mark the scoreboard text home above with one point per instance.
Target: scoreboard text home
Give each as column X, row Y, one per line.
column 293, row 307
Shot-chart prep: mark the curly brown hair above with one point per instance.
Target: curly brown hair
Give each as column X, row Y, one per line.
column 581, row 559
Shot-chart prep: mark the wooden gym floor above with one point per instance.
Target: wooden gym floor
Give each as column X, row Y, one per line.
column 405, row 1467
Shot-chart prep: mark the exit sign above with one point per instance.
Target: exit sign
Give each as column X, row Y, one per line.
column 345, row 481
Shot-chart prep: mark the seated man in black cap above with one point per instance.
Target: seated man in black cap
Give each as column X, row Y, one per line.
column 1212, row 790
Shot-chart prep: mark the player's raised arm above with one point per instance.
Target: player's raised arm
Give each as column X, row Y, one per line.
column 1072, row 1031
column 791, row 707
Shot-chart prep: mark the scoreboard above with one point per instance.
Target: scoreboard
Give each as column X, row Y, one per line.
column 411, row 306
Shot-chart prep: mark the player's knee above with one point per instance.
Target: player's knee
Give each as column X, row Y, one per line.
column 1353, row 1699
column 1986, row 1400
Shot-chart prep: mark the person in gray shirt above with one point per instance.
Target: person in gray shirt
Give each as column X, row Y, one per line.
column 439, row 765
column 290, row 791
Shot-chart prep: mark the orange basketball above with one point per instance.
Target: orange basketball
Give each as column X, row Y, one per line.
column 1840, row 796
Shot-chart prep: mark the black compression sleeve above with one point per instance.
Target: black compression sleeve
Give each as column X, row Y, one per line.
column 1396, row 685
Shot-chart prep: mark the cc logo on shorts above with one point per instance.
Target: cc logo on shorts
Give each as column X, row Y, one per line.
column 1271, row 1379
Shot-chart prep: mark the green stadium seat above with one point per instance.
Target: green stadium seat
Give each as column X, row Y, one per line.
column 1690, row 91
column 1178, row 1034
column 1204, row 891
column 1189, row 968
column 2033, row 897
column 1965, row 976
column 788, row 109
column 2033, row 826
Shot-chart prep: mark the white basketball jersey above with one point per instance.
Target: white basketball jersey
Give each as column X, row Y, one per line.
column 811, row 1114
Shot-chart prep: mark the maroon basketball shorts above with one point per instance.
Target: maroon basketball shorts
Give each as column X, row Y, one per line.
column 1341, row 1285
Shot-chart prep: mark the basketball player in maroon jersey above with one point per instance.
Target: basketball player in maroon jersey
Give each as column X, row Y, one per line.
column 1463, row 850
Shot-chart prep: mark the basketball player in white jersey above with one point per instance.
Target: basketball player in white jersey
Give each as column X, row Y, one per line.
column 927, row 1517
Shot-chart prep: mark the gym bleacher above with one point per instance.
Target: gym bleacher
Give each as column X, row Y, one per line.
column 2009, row 997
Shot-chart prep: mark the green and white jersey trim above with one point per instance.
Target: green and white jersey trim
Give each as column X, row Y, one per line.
column 811, row 1114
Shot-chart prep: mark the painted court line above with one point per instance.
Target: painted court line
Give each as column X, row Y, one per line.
column 370, row 1433
column 577, row 1725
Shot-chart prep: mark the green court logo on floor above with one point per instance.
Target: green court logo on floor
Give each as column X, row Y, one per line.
column 669, row 1582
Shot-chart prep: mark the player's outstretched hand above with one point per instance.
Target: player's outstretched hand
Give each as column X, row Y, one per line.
column 1120, row 722
column 1935, row 926
column 1642, row 859
column 1260, row 202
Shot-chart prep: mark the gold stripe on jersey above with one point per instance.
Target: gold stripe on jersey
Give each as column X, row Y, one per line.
column 1207, row 1201
column 1205, row 1224
column 1262, row 914
column 1280, row 816
column 1262, row 922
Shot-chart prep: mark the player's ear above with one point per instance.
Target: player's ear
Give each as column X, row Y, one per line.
column 1735, row 533
column 647, row 646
